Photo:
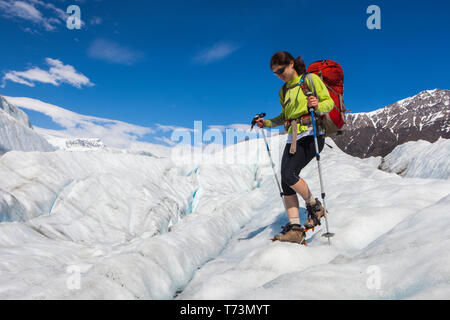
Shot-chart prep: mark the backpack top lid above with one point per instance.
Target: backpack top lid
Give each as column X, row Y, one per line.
column 331, row 73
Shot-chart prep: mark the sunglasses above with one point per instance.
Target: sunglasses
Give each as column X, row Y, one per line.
column 280, row 71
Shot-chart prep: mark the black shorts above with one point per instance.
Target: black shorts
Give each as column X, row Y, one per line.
column 292, row 164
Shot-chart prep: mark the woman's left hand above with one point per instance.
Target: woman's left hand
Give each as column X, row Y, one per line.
column 313, row 102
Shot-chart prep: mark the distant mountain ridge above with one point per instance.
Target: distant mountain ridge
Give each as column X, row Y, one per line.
column 87, row 143
column 424, row 116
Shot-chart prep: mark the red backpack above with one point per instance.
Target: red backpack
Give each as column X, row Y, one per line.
column 332, row 76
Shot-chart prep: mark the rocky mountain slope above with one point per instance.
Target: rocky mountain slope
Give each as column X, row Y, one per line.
column 424, row 116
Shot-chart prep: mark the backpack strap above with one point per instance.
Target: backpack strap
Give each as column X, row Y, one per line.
column 306, row 90
column 284, row 90
column 293, row 123
column 304, row 85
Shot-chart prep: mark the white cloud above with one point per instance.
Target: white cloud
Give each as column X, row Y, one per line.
column 12, row 76
column 113, row 52
column 27, row 10
column 67, row 74
column 166, row 140
column 113, row 133
column 58, row 73
column 60, row 14
column 166, row 128
column 217, row 51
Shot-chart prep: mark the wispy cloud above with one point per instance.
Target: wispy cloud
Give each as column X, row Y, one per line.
column 218, row 51
column 113, row 133
column 57, row 73
column 96, row 21
column 113, row 52
column 166, row 128
column 32, row 11
column 165, row 140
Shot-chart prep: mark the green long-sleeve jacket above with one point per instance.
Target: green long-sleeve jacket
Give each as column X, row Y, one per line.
column 298, row 103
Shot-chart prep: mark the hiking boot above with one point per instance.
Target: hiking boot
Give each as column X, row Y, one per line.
column 315, row 212
column 285, row 228
column 292, row 233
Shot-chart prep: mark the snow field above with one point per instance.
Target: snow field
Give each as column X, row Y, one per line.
column 365, row 205
column 138, row 227
column 111, row 212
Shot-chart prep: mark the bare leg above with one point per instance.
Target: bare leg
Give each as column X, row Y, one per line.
column 292, row 205
column 302, row 189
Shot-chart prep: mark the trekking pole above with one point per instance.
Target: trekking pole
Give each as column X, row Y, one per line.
column 262, row 115
column 328, row 234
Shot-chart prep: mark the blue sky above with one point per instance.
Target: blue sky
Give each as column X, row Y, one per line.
column 174, row 62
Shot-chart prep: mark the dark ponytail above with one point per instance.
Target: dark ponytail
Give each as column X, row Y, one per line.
column 283, row 58
column 299, row 65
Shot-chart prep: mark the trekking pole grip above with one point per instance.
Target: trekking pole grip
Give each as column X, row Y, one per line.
column 255, row 118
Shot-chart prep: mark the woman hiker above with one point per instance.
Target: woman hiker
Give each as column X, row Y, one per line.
column 297, row 154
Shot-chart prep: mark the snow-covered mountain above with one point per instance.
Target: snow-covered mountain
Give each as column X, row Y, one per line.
column 16, row 132
column 109, row 225
column 82, row 132
column 424, row 116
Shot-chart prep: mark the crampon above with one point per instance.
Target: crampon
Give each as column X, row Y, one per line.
column 312, row 228
column 303, row 242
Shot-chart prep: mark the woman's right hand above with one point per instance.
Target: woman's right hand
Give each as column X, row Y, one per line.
column 261, row 122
